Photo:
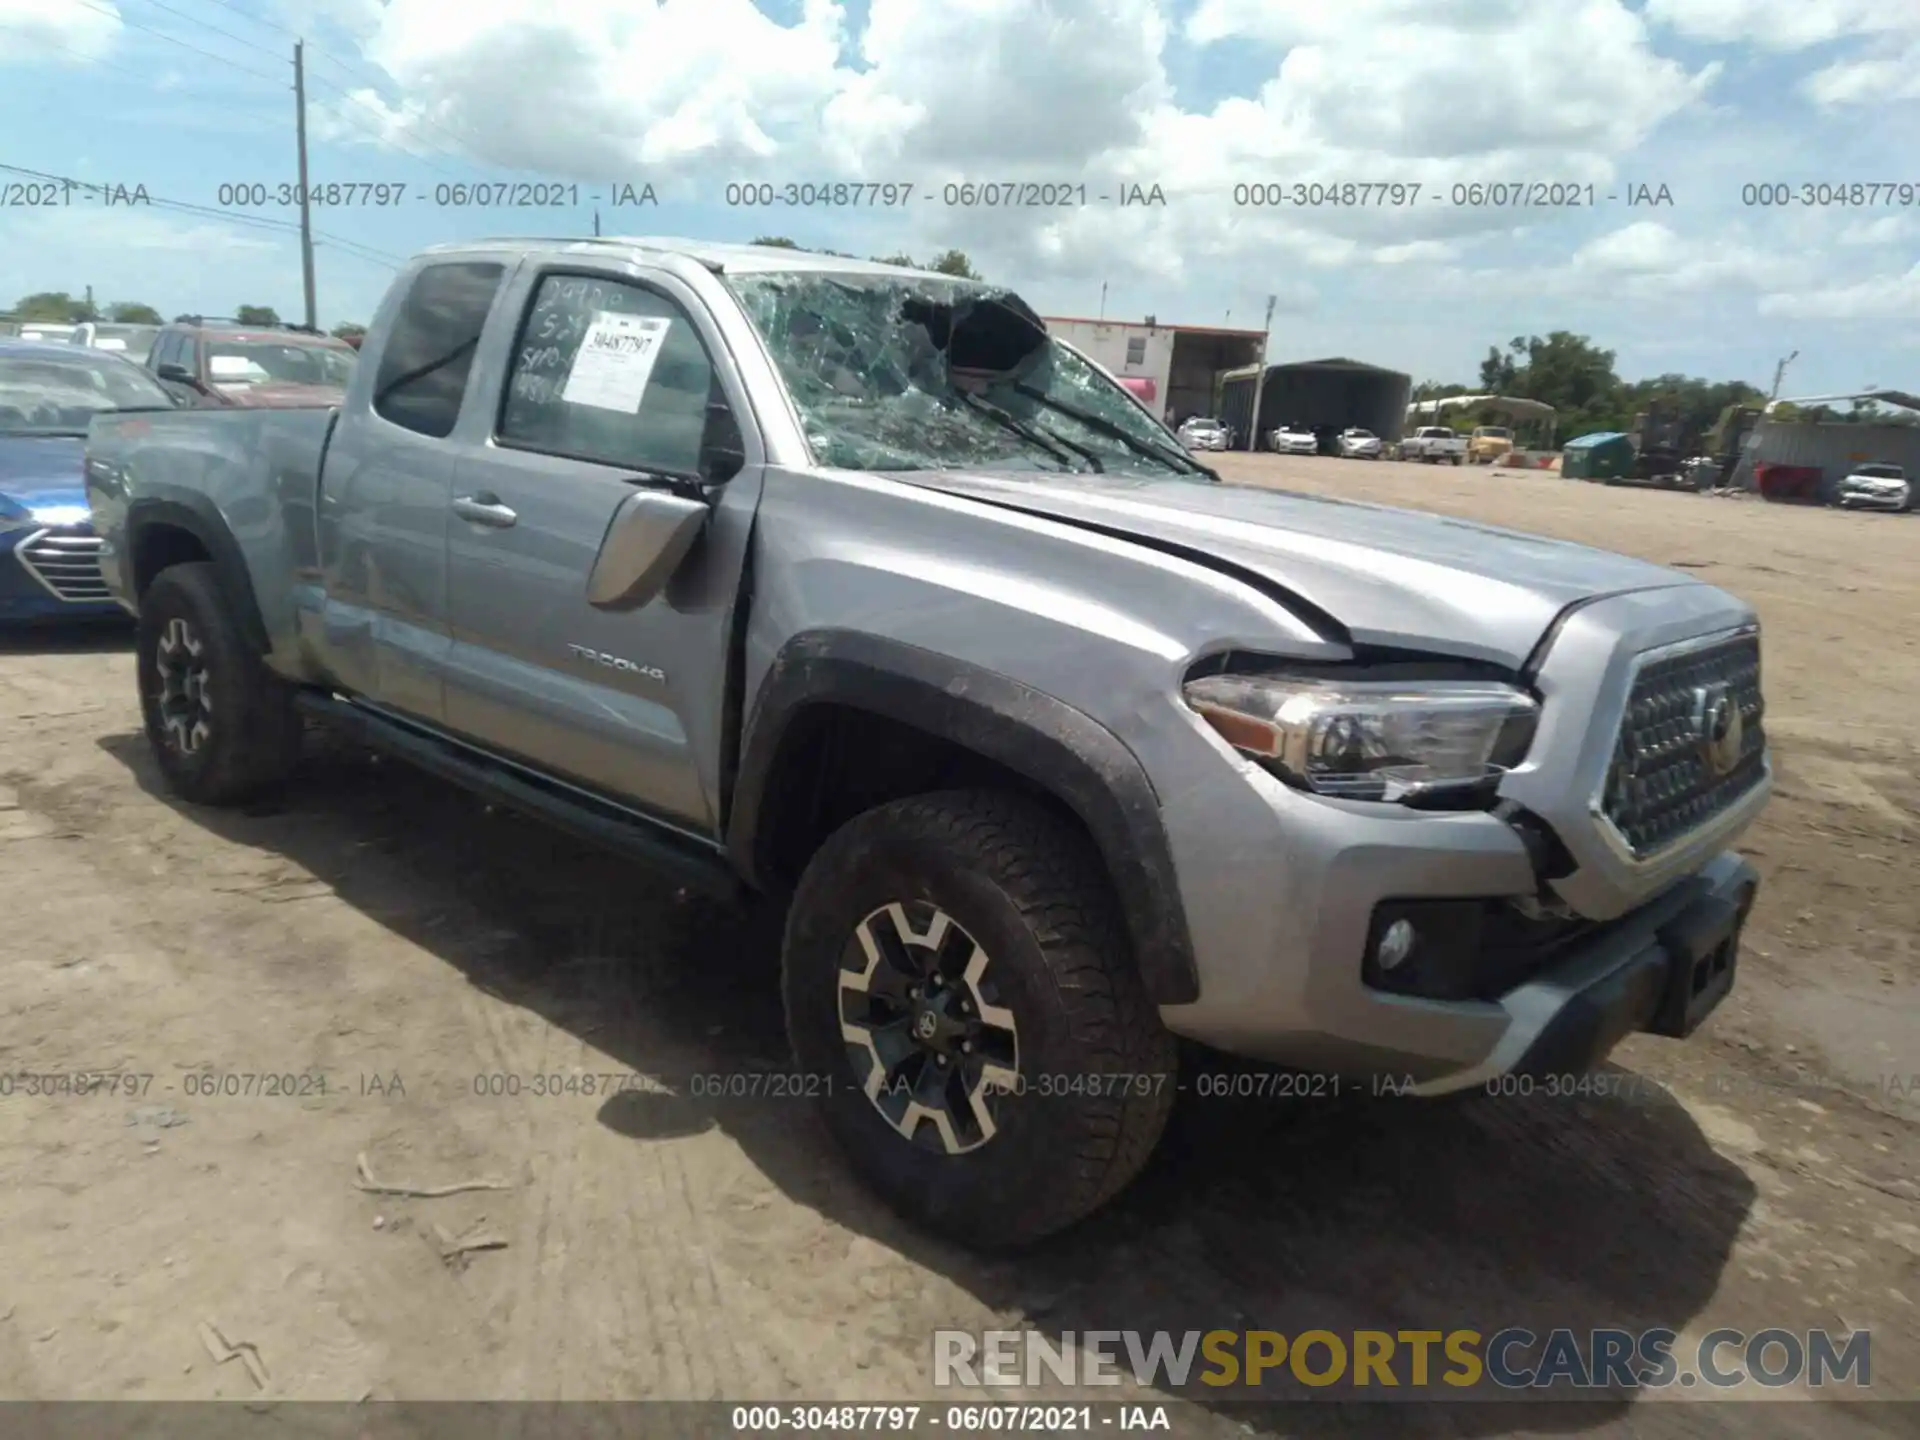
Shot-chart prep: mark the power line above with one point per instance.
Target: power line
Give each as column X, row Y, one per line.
column 258, row 222
column 311, row 80
column 77, row 54
column 175, row 40
column 213, row 29
column 314, row 81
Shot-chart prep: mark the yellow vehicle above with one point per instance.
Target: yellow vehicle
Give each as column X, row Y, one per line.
column 1488, row 444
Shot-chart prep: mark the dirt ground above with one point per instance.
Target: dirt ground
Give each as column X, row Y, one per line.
column 384, row 932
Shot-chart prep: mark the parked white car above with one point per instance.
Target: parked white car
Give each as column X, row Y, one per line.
column 1358, row 444
column 1874, row 487
column 1294, row 440
column 1203, row 432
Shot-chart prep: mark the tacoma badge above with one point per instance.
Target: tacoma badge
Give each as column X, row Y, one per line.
column 614, row 662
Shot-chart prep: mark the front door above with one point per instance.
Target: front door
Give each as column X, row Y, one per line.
column 611, row 383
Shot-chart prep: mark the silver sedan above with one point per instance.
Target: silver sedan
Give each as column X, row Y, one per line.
column 1358, row 444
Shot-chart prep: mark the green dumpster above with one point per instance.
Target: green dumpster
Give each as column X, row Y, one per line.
column 1607, row 455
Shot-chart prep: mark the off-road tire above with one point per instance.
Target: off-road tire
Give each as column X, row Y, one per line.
column 1030, row 891
column 253, row 732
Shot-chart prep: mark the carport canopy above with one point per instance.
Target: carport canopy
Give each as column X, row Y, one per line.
column 1498, row 404
column 1885, row 397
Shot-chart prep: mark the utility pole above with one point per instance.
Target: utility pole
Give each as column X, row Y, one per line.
column 596, row 222
column 89, row 302
column 1103, row 299
column 1779, row 372
column 306, row 217
column 1260, row 380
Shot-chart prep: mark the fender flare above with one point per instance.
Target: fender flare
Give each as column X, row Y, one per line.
column 1061, row 749
column 199, row 517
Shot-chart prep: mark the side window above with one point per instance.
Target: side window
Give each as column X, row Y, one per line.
column 189, row 352
column 610, row 371
column 430, row 347
column 164, row 349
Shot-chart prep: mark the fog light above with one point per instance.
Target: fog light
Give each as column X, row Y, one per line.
column 1396, row 945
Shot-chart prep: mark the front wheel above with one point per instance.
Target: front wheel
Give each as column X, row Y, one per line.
column 961, row 994
column 222, row 726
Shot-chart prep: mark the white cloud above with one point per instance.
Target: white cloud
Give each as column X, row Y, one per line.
column 1780, row 24
column 1881, row 298
column 1649, row 258
column 56, row 32
column 1448, row 78
column 78, row 231
column 705, row 91
column 1885, row 230
column 1886, row 69
column 1867, row 82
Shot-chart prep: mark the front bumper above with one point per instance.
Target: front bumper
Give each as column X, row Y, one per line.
column 53, row 573
column 1662, row 970
column 1283, row 890
column 1860, row 499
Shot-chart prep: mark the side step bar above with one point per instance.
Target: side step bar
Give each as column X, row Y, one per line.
column 596, row 821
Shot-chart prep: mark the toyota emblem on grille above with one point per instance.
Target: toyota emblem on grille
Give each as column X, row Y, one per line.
column 1720, row 726
column 926, row 1025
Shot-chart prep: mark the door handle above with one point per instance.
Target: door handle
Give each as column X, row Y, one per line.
column 484, row 509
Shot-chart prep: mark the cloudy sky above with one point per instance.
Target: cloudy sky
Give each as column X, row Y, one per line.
column 1428, row 109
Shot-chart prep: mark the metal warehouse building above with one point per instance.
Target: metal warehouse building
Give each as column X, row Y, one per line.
column 1326, row 396
column 1171, row 368
column 1830, row 446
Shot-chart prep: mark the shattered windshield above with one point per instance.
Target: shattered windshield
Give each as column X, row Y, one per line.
column 912, row 373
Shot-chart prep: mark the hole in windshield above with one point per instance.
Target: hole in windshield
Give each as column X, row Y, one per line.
column 913, row 373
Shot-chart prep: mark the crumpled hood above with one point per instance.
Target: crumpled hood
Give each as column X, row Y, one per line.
column 1399, row 578
column 37, row 472
column 282, row 396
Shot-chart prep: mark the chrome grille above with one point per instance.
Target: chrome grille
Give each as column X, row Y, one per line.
column 1663, row 783
column 66, row 563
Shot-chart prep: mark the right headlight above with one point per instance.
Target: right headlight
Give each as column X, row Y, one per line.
column 1405, row 742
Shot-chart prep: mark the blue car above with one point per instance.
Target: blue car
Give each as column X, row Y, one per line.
column 49, row 554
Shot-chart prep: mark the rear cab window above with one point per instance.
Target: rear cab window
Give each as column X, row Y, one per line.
column 430, row 345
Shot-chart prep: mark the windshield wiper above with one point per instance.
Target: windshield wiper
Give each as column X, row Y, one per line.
column 1063, row 450
column 1108, row 428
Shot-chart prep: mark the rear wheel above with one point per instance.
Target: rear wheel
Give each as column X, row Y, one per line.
column 962, row 997
column 222, row 726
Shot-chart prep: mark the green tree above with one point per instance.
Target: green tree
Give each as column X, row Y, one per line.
column 348, row 330
column 779, row 242
column 257, row 315
column 54, row 307
column 132, row 312
column 905, row 261
column 1497, row 372
column 954, row 262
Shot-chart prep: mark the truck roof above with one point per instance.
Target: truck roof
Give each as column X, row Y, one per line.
column 715, row 255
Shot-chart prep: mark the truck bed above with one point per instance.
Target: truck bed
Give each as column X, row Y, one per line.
column 249, row 474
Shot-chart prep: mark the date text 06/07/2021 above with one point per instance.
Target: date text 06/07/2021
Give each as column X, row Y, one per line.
column 903, row 1419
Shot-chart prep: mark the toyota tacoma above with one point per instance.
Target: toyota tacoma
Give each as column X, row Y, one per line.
column 849, row 585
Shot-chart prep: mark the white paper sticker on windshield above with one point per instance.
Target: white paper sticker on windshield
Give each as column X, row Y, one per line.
column 615, row 361
column 231, row 366
column 109, row 344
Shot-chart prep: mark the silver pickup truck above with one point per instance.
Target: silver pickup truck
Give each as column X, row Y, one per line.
column 848, row 585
